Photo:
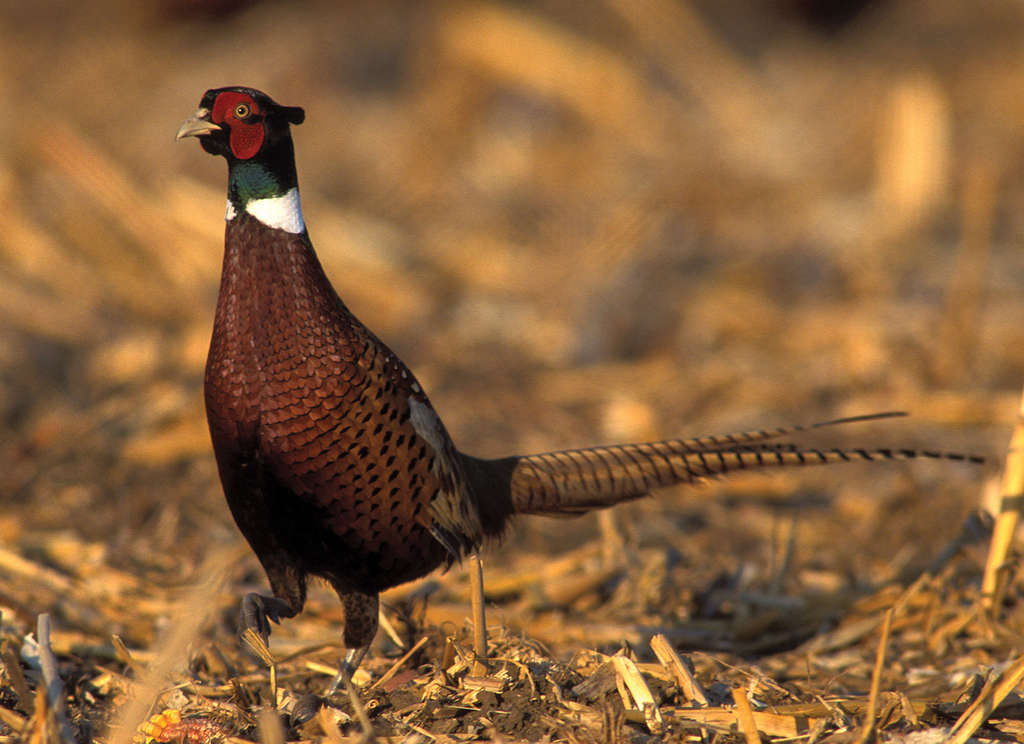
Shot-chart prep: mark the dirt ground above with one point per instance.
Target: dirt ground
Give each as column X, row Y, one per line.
column 579, row 223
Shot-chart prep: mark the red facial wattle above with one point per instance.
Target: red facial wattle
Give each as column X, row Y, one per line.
column 245, row 139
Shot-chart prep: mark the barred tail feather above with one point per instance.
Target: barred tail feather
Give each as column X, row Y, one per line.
column 576, row 481
column 756, row 436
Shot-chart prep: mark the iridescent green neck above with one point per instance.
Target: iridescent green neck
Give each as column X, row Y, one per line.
column 248, row 181
column 267, row 187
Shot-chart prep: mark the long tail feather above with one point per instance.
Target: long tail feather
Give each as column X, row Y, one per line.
column 576, row 481
column 754, row 436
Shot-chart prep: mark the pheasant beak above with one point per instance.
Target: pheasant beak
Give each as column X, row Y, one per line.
column 197, row 125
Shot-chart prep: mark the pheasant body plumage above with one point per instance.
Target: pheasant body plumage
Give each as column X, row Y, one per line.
column 315, row 411
column 332, row 459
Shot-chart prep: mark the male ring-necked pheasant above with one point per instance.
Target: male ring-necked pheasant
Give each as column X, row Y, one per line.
column 332, row 459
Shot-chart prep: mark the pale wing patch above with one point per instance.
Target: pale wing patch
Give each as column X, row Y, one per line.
column 280, row 212
column 453, row 508
column 230, row 213
column 428, row 426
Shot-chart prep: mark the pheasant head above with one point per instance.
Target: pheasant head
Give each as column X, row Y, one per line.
column 252, row 132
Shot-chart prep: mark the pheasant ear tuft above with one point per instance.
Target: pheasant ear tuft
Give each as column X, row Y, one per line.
column 294, row 114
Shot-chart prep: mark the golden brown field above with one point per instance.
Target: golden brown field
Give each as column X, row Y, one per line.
column 578, row 223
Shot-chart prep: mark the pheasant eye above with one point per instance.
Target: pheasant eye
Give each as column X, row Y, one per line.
column 242, row 110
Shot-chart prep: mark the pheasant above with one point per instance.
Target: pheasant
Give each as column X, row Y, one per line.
column 332, row 459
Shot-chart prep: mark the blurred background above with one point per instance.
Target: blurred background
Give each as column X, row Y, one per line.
column 578, row 223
